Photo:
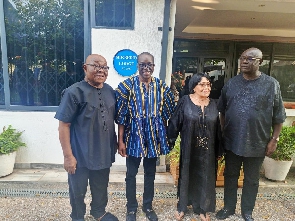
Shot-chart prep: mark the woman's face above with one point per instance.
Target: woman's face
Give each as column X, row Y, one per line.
column 203, row 88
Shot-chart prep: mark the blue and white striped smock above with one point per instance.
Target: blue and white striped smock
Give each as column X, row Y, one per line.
column 144, row 114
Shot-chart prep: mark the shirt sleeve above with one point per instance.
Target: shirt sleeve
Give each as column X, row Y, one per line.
column 168, row 103
column 122, row 98
column 176, row 121
column 279, row 114
column 68, row 107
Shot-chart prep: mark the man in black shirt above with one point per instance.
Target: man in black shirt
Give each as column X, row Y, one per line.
column 87, row 135
column 250, row 107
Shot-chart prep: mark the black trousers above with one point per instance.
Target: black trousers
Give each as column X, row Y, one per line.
column 149, row 165
column 98, row 182
column 251, row 167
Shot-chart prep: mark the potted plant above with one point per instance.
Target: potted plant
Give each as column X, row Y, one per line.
column 220, row 171
column 277, row 166
column 174, row 157
column 10, row 142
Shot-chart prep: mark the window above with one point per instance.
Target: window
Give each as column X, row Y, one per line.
column 283, row 69
column 113, row 13
column 45, row 43
column 215, row 68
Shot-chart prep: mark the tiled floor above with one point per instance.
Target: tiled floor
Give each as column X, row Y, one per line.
column 59, row 175
column 118, row 176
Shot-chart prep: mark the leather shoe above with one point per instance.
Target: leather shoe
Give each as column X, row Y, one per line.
column 247, row 217
column 131, row 216
column 150, row 214
column 224, row 213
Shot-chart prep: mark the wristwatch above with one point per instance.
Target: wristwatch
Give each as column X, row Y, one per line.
column 276, row 138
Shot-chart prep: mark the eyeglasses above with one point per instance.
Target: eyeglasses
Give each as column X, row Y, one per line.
column 98, row 67
column 248, row 59
column 203, row 85
column 146, row 65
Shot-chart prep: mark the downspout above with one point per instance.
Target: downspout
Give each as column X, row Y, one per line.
column 165, row 39
column 4, row 57
column 169, row 64
column 87, row 30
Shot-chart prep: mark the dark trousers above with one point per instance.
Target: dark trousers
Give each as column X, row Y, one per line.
column 78, row 182
column 149, row 165
column 251, row 167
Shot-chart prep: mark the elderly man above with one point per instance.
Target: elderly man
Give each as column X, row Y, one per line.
column 251, row 108
column 144, row 104
column 88, row 139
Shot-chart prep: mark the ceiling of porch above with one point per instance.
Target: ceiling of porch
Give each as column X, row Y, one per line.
column 259, row 20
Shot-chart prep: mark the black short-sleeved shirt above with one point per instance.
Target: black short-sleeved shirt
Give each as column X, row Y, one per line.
column 250, row 107
column 91, row 112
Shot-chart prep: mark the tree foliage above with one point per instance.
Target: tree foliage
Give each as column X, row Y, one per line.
column 45, row 30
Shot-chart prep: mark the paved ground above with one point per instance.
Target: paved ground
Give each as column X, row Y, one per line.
column 43, row 195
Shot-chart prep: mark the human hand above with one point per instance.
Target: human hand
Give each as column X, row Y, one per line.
column 70, row 164
column 122, row 149
column 271, row 147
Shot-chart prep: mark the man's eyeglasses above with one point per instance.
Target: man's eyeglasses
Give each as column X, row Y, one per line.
column 203, row 85
column 98, row 67
column 248, row 59
column 147, row 65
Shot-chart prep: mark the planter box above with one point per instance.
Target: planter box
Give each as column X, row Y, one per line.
column 174, row 170
column 220, row 178
column 7, row 163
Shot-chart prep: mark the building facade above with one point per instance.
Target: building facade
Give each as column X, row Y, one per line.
column 44, row 44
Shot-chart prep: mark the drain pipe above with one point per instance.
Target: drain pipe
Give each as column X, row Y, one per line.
column 4, row 56
column 165, row 39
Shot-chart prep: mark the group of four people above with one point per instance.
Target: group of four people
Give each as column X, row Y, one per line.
column 250, row 107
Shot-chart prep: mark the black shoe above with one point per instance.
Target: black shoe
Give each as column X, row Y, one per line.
column 108, row 217
column 150, row 214
column 131, row 216
column 224, row 213
column 247, row 217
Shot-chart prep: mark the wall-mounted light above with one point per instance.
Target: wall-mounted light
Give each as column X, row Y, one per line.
column 203, row 8
column 207, row 1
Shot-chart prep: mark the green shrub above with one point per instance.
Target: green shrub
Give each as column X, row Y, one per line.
column 174, row 154
column 286, row 145
column 10, row 140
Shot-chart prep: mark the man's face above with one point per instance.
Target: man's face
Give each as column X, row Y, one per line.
column 145, row 64
column 250, row 61
column 96, row 69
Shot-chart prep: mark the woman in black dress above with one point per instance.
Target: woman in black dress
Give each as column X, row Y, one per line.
column 196, row 118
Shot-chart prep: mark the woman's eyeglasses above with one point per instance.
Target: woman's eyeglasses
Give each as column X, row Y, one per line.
column 203, row 85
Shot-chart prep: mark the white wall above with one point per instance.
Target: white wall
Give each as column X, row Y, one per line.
column 40, row 134
column 144, row 38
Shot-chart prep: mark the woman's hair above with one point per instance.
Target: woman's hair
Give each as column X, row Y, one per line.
column 195, row 79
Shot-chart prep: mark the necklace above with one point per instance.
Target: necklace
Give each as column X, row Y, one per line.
column 201, row 101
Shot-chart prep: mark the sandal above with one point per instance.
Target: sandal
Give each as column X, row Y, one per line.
column 179, row 215
column 205, row 217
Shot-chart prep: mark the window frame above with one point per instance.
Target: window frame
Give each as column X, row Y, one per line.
column 93, row 23
column 7, row 98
